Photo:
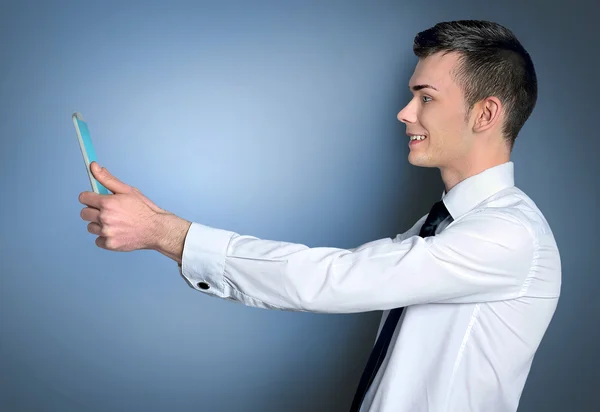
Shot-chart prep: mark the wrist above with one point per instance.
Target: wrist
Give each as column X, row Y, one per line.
column 171, row 233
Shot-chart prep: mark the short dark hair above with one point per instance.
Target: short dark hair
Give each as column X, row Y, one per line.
column 492, row 63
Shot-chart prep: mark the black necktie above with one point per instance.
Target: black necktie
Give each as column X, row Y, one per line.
column 436, row 215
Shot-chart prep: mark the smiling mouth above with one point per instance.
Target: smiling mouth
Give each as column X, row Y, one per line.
column 417, row 137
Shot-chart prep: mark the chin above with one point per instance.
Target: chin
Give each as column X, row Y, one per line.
column 420, row 160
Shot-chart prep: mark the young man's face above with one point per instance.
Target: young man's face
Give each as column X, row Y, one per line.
column 437, row 111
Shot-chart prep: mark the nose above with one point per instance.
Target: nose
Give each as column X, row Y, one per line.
column 408, row 114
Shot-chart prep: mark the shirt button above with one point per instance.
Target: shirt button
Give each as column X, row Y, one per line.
column 203, row 285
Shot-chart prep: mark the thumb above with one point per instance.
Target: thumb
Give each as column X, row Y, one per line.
column 108, row 180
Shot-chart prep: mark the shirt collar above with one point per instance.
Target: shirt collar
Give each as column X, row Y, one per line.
column 475, row 189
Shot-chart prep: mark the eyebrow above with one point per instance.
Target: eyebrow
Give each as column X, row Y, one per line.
column 423, row 86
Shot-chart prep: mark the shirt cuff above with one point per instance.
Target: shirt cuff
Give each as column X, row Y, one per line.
column 203, row 260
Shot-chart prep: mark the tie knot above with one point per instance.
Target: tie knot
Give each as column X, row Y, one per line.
column 437, row 214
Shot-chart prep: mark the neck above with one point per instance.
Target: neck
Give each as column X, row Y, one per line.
column 473, row 165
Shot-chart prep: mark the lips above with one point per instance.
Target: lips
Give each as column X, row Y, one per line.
column 416, row 139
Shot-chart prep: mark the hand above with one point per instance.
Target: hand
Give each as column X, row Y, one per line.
column 124, row 221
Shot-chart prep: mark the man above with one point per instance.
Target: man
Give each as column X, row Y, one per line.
column 478, row 277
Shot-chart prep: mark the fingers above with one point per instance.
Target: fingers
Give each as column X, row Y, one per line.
column 108, row 244
column 90, row 214
column 94, row 228
column 101, row 242
column 91, row 199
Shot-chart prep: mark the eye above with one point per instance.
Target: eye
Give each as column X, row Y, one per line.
column 426, row 99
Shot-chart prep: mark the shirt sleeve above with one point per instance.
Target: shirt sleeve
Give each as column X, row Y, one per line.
column 481, row 257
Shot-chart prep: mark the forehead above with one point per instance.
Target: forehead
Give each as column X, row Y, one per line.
column 436, row 70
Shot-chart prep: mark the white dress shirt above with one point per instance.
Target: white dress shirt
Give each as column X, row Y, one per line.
column 479, row 295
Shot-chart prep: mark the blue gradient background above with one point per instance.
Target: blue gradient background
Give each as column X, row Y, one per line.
column 275, row 119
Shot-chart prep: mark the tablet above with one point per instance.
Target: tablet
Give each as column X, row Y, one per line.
column 88, row 152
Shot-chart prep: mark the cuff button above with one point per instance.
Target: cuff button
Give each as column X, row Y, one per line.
column 203, row 285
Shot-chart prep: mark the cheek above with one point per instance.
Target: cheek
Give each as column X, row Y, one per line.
column 444, row 125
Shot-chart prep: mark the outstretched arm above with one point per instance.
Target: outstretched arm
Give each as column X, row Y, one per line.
column 483, row 257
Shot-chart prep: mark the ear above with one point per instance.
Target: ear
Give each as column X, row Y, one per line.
column 487, row 114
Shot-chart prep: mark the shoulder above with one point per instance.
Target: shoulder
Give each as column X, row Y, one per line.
column 509, row 218
column 509, row 228
column 514, row 205
column 517, row 223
